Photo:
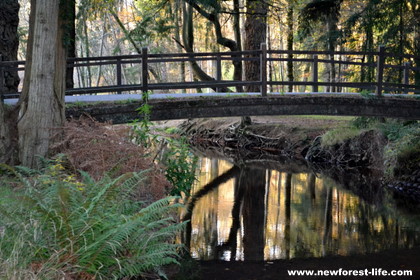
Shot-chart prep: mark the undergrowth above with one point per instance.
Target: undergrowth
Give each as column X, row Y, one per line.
column 105, row 150
column 56, row 226
column 180, row 163
column 401, row 155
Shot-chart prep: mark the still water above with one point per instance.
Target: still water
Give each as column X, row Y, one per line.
column 261, row 214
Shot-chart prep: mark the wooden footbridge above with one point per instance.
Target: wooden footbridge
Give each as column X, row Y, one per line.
column 386, row 87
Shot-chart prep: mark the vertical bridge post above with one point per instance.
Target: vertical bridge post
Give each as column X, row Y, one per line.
column 380, row 71
column 263, row 69
column 218, row 70
column 119, row 74
column 406, row 77
column 144, row 70
column 315, row 73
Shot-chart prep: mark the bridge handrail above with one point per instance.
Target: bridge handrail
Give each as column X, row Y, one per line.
column 263, row 55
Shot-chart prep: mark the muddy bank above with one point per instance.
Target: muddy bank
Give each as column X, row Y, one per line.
column 294, row 138
column 294, row 143
column 272, row 137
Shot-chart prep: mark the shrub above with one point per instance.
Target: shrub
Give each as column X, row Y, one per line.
column 56, row 227
column 181, row 165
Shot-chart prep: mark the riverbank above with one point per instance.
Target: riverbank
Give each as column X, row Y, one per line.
column 390, row 149
column 287, row 136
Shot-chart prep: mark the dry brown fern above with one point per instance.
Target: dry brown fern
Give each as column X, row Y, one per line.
column 101, row 148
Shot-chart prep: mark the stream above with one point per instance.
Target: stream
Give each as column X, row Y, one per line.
column 254, row 213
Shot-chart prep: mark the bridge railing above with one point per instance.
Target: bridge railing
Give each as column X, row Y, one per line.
column 334, row 71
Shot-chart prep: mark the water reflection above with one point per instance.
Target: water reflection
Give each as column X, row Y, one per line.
column 255, row 214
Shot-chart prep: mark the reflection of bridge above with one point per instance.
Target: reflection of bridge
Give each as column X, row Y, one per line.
column 393, row 74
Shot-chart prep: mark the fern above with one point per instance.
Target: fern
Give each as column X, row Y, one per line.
column 68, row 226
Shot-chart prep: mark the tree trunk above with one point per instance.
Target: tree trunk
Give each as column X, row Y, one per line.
column 255, row 34
column 45, row 108
column 178, row 13
column 332, row 28
column 416, row 16
column 68, row 16
column 290, row 44
column 23, row 100
column 9, row 41
column 237, row 74
column 4, row 135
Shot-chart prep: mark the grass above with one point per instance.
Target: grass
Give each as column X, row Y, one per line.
column 81, row 104
column 339, row 136
column 401, row 155
column 127, row 101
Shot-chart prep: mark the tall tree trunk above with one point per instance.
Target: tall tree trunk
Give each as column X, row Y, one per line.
column 23, row 100
column 290, row 43
column 4, row 135
column 332, row 41
column 237, row 74
column 416, row 16
column 68, row 15
column 9, row 41
column 178, row 13
column 45, row 108
column 255, row 34
column 188, row 40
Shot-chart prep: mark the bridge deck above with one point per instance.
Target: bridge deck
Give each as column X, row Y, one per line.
column 122, row 108
column 99, row 98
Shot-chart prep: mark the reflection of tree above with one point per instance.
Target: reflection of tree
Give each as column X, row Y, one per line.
column 303, row 216
column 288, row 212
column 253, row 210
column 327, row 221
column 311, row 186
column 214, row 170
column 236, row 212
column 234, row 171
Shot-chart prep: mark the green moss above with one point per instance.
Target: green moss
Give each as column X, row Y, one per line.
column 81, row 104
column 339, row 135
column 402, row 154
column 126, row 101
